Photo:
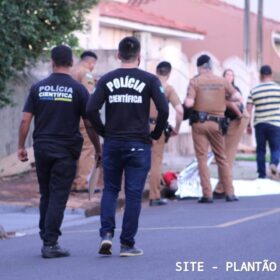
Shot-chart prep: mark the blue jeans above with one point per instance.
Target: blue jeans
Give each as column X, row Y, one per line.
column 134, row 160
column 266, row 132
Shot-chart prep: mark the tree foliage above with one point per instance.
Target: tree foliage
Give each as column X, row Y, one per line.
column 28, row 27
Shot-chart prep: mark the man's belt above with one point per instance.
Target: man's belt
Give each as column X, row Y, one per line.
column 214, row 118
column 152, row 120
column 203, row 117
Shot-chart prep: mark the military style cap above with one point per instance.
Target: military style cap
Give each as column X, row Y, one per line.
column 202, row 60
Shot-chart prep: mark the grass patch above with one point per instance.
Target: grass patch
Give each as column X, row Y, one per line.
column 250, row 158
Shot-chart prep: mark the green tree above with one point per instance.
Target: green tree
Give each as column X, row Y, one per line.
column 28, row 27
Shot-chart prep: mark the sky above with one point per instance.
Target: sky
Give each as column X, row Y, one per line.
column 271, row 8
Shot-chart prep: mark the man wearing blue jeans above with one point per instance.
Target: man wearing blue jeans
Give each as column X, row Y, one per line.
column 126, row 92
column 266, row 99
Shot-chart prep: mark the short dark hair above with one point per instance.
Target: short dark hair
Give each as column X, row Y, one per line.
column 62, row 56
column 265, row 70
column 129, row 48
column 164, row 68
column 88, row 54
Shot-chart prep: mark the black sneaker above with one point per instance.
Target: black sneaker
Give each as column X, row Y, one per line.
column 54, row 251
column 158, row 202
column 106, row 245
column 127, row 251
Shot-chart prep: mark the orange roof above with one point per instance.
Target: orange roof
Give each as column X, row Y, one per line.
column 136, row 14
column 224, row 26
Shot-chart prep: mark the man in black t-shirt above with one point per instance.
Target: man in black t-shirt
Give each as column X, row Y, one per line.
column 126, row 93
column 57, row 104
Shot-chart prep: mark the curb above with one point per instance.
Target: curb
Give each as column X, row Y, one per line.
column 95, row 210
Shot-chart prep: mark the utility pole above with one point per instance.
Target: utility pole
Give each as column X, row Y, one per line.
column 246, row 33
column 260, row 34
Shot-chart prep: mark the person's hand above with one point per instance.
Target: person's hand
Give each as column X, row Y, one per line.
column 22, row 154
column 249, row 130
column 174, row 132
column 245, row 114
column 154, row 142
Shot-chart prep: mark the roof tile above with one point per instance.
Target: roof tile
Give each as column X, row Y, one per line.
column 136, row 14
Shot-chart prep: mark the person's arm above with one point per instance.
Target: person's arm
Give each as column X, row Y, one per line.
column 189, row 102
column 191, row 93
column 232, row 94
column 94, row 138
column 235, row 97
column 27, row 115
column 249, row 108
column 176, row 104
column 88, row 81
column 23, row 131
column 233, row 106
column 162, row 108
column 179, row 117
column 95, row 103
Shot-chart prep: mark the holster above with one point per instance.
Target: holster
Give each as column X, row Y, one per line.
column 167, row 132
column 187, row 112
column 198, row 117
column 223, row 125
column 203, row 117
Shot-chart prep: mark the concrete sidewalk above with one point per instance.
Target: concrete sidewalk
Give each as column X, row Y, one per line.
column 18, row 219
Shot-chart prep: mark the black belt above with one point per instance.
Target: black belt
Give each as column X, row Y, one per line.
column 203, row 117
column 152, row 121
column 214, row 118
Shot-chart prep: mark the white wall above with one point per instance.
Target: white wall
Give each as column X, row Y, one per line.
column 88, row 39
column 156, row 48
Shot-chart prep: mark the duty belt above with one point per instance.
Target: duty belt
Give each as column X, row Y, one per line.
column 214, row 118
column 203, row 117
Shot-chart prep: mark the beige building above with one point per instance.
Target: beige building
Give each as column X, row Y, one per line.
column 110, row 21
column 160, row 37
column 174, row 31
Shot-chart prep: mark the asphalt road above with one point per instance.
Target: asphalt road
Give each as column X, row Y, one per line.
column 218, row 241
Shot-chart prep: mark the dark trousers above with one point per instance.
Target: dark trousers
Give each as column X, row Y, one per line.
column 55, row 171
column 134, row 160
column 266, row 132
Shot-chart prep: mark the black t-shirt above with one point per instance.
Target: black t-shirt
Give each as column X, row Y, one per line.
column 57, row 103
column 126, row 93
